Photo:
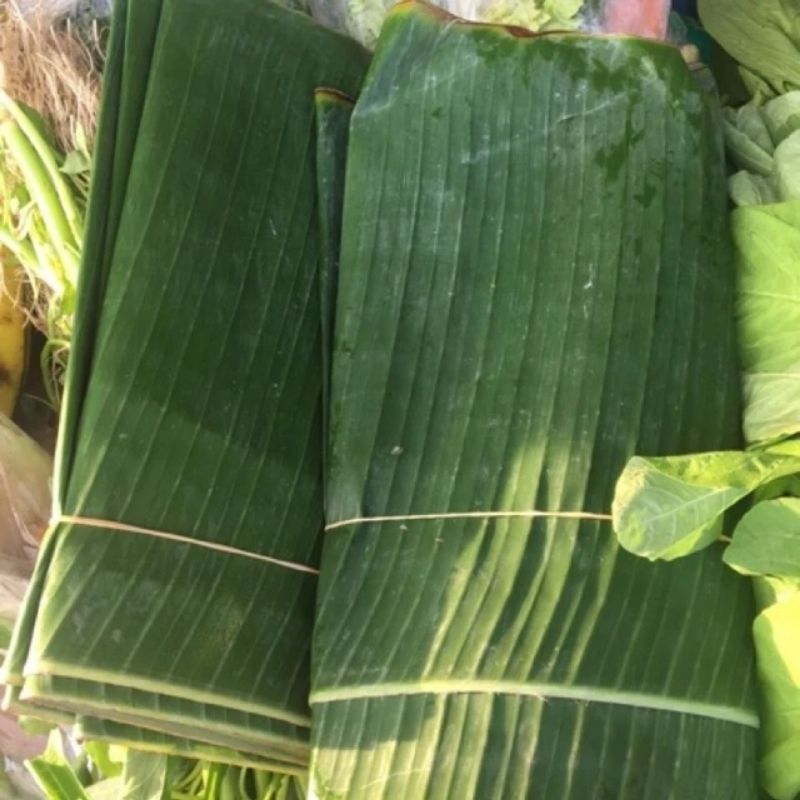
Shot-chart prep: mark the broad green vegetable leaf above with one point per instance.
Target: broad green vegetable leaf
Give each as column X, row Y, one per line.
column 666, row 508
column 782, row 116
column 748, row 189
column 76, row 163
column 748, row 154
column 779, row 763
column 762, row 35
column 768, row 243
column 54, row 774
column 109, row 789
column 537, row 287
column 767, row 540
column 537, row 15
column 747, row 128
column 769, row 591
column 106, row 758
column 787, row 166
column 777, row 636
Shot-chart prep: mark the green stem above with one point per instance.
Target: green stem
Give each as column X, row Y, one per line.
column 37, row 182
column 69, row 207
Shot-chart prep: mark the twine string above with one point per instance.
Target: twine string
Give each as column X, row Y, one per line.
column 124, row 527
column 575, row 515
column 104, row 524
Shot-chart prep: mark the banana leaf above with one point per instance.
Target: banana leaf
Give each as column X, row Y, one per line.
column 333, row 110
column 150, row 741
column 535, row 283
column 193, row 400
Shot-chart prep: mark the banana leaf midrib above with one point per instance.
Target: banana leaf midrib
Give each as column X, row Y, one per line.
column 585, row 694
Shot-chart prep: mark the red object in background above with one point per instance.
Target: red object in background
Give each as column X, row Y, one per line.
column 646, row 18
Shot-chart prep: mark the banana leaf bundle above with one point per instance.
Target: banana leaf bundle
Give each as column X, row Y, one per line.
column 193, row 406
column 535, row 283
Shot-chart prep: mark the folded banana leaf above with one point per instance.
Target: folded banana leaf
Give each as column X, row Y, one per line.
column 193, row 403
column 140, row 739
column 333, row 110
column 535, row 283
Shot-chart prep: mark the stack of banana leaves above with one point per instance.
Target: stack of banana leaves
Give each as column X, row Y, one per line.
column 535, row 283
column 173, row 599
column 514, row 251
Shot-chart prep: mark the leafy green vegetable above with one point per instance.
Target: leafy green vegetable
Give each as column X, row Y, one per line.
column 363, row 19
column 748, row 189
column 763, row 36
column 41, row 225
column 768, row 243
column 764, row 143
column 538, row 15
column 782, row 116
column 194, row 392
column 667, row 508
column 105, row 757
column 54, row 773
column 787, row 167
column 537, row 285
column 777, row 636
column 767, row 540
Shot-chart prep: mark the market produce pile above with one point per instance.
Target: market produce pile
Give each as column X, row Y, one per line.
column 400, row 450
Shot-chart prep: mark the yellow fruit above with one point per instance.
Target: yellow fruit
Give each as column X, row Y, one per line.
column 12, row 337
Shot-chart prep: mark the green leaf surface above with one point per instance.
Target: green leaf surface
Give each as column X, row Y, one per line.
column 767, row 540
column 109, row 789
column 787, row 167
column 363, row 19
column 153, row 741
column 149, row 776
column 763, row 36
column 104, row 759
column 749, row 141
column 748, row 155
column 763, row 141
column 782, row 116
column 777, row 637
column 535, row 284
column 769, row 591
column 666, row 508
column 76, row 163
column 194, row 391
column 747, row 189
column 54, row 774
column 768, row 243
